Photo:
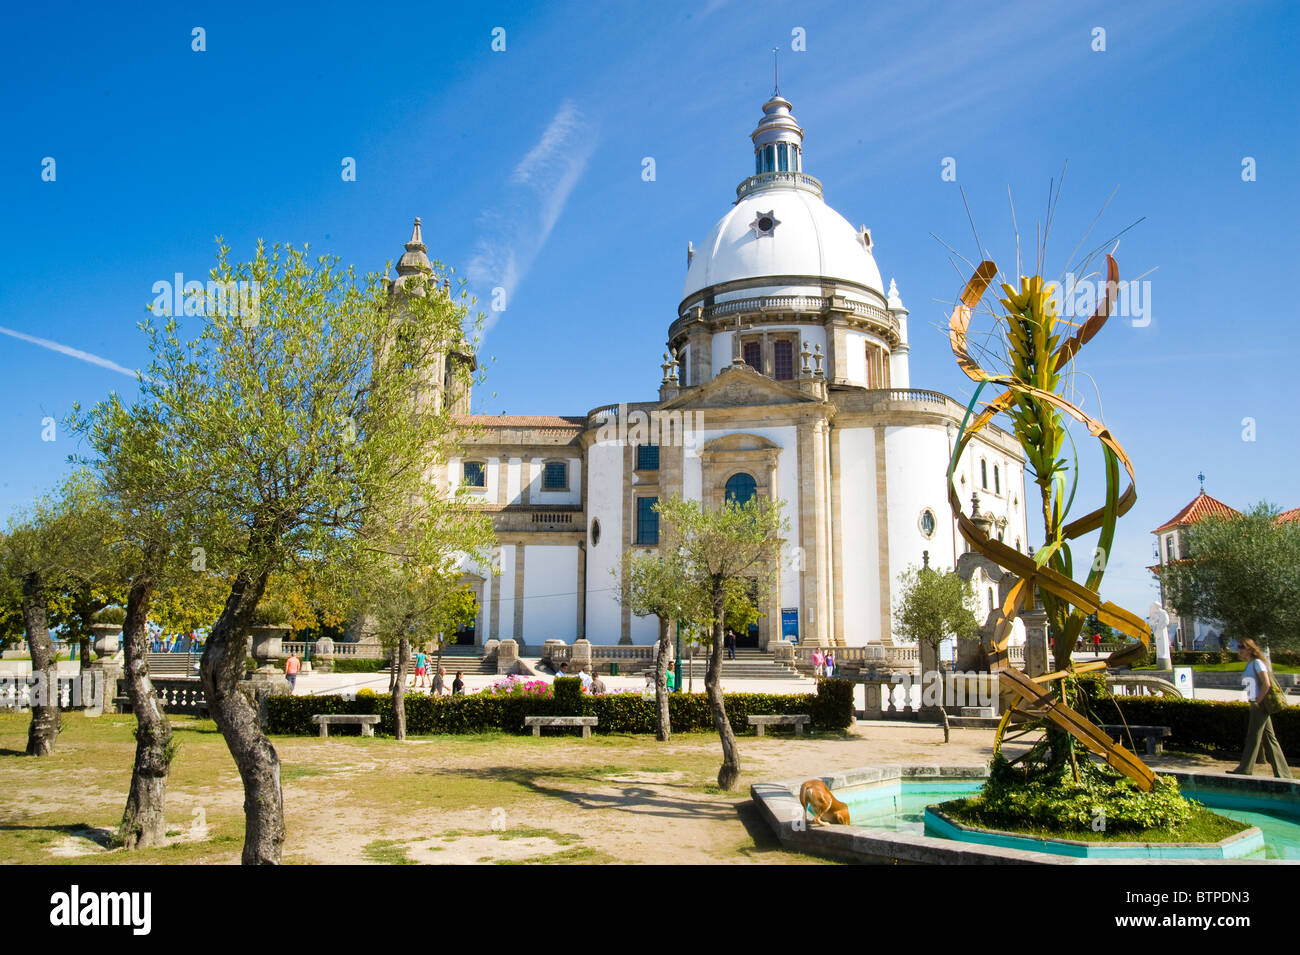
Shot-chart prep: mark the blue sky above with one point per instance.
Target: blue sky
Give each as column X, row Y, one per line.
column 525, row 166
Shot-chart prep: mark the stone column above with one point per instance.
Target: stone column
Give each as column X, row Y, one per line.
column 580, row 659
column 1036, row 647
column 507, row 656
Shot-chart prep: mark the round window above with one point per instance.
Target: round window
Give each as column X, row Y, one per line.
column 595, row 532
column 928, row 522
column 765, row 224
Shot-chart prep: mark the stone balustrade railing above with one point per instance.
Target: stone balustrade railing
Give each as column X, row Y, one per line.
column 643, row 654
column 181, row 695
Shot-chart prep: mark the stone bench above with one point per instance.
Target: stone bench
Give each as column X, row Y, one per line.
column 537, row 722
column 797, row 720
column 1152, row 734
column 325, row 720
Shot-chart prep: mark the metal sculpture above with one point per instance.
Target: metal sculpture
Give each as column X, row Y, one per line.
column 1036, row 355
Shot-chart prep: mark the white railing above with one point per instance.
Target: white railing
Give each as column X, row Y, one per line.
column 800, row 180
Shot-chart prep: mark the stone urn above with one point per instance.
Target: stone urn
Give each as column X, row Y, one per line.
column 108, row 638
column 268, row 647
column 322, row 655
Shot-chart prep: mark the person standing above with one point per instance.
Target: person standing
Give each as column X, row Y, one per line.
column 458, row 684
column 421, row 673
column 1258, row 682
column 597, row 684
column 830, row 662
column 731, row 644
column 819, row 662
column 1096, row 643
column 440, row 682
column 291, row 668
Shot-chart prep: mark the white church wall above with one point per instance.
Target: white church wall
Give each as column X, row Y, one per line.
column 644, row 630
column 514, row 484
column 537, row 495
column 856, row 454
column 493, row 479
column 604, row 504
column 692, row 474
column 550, row 592
column 916, row 478
column 505, row 585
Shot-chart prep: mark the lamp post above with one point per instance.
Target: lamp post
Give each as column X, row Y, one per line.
column 677, row 660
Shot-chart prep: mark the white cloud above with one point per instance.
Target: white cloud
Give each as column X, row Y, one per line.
column 71, row 352
column 515, row 231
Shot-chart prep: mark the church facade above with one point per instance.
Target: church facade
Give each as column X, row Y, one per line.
column 786, row 377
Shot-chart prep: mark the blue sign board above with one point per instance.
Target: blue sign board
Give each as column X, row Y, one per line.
column 790, row 623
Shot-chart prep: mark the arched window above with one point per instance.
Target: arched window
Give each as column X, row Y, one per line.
column 741, row 488
column 997, row 480
column 984, row 474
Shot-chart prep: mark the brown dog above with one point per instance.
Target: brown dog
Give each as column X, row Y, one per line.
column 814, row 794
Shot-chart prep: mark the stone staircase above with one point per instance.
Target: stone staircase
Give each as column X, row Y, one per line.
column 466, row 659
column 748, row 665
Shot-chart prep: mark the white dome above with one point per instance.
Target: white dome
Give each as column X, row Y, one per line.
column 808, row 238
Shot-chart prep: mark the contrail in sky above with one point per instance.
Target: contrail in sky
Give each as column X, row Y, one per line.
column 72, row 352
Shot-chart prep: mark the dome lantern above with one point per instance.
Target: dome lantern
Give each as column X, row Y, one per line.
column 778, row 140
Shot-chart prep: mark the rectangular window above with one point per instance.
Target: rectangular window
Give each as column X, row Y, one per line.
column 555, row 476
column 647, row 521
column 782, row 162
column 783, row 360
column 753, row 353
column 475, row 474
column 647, row 457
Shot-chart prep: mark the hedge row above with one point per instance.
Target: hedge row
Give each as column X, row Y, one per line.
column 831, row 710
column 1199, row 724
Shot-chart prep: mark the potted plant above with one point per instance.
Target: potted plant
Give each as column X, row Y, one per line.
column 270, row 627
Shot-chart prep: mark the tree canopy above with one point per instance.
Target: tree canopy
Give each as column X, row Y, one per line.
column 1243, row 571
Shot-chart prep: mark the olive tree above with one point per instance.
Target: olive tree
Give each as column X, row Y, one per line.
column 933, row 607
column 295, row 425
column 725, row 555
column 54, row 548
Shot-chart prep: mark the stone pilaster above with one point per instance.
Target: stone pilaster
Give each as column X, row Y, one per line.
column 520, row 548
column 882, row 539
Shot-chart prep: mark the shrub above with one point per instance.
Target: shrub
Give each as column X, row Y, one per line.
column 568, row 696
column 113, row 615
column 616, row 712
column 832, row 707
column 1200, row 724
column 1055, row 800
column 271, row 613
column 358, row 665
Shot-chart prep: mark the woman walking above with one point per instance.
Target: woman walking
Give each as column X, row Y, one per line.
column 1265, row 700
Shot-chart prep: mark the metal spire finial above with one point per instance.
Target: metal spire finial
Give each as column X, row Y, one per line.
column 1201, row 477
column 776, row 76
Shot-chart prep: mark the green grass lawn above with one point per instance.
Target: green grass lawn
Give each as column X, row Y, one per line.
column 357, row 799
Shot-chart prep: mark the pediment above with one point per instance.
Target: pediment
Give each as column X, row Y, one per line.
column 740, row 442
column 739, row 386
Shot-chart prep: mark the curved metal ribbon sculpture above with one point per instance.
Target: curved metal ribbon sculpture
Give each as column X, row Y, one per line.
column 1030, row 398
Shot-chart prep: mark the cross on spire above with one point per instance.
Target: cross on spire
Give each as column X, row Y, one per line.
column 1201, row 477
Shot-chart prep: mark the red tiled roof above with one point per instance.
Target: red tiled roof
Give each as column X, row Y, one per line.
column 522, row 420
column 1201, row 507
column 1287, row 516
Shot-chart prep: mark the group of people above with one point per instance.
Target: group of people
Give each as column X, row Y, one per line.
column 591, row 683
column 823, row 662
column 436, row 682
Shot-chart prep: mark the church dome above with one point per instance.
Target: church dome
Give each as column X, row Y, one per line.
column 779, row 227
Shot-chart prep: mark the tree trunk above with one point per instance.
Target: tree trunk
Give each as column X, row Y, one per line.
column 142, row 822
column 663, row 724
column 45, row 726
column 399, row 691
column 259, row 767
column 729, row 772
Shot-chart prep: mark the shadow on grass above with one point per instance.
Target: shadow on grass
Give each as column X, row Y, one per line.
column 13, row 752
column 101, row 837
column 574, row 787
